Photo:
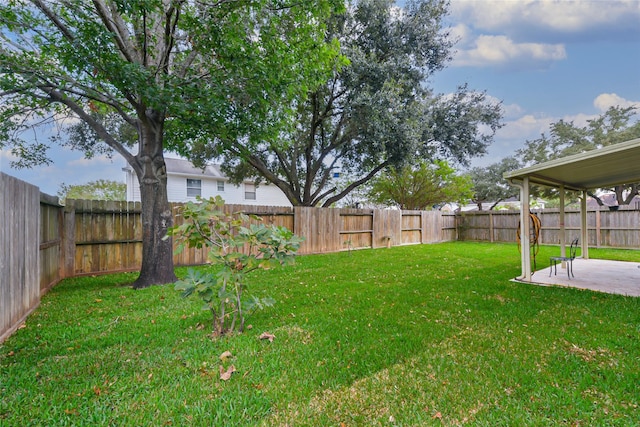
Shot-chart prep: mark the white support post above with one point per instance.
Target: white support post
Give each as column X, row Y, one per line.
column 584, row 229
column 525, row 230
column 562, row 233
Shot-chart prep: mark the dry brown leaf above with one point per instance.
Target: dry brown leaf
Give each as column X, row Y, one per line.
column 438, row 415
column 267, row 336
column 226, row 375
column 224, row 356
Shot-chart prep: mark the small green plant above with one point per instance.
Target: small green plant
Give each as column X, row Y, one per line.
column 238, row 244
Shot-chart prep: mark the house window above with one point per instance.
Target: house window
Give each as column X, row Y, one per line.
column 220, row 185
column 249, row 192
column 194, row 187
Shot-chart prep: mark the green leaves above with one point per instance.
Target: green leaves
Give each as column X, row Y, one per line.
column 101, row 189
column 215, row 71
column 197, row 282
column 615, row 125
column 372, row 109
column 255, row 303
column 238, row 244
column 421, row 187
column 489, row 184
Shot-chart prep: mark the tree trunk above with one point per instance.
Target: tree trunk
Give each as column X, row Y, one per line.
column 596, row 198
column 157, row 252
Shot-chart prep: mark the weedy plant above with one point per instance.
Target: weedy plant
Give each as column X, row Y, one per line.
column 238, row 244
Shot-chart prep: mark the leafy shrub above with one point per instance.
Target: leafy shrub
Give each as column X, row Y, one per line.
column 238, row 244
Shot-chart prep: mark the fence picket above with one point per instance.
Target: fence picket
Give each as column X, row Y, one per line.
column 19, row 252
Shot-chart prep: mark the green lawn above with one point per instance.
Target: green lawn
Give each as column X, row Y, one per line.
column 408, row 336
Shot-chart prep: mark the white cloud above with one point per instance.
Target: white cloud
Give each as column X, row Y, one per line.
column 605, row 101
column 461, row 34
column 512, row 110
column 532, row 34
column 516, row 132
column 525, row 127
column 531, row 126
column 551, row 19
column 502, row 51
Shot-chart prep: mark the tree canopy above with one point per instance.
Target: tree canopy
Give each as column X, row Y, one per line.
column 490, row 186
column 101, row 189
column 146, row 75
column 566, row 138
column 421, row 187
column 373, row 112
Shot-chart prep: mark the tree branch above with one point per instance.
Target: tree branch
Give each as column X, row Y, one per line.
column 356, row 184
column 263, row 169
column 115, row 24
column 53, row 18
column 57, row 96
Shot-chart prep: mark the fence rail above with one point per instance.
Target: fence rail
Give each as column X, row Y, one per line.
column 613, row 229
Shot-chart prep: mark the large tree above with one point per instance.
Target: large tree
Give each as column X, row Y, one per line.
column 374, row 112
column 566, row 138
column 490, row 186
column 164, row 69
column 421, row 187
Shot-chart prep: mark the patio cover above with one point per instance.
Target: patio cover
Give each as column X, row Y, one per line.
column 604, row 167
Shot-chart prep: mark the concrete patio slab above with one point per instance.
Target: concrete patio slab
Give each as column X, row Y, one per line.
column 613, row 277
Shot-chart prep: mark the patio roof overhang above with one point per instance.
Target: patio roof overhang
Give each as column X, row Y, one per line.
column 601, row 168
column 608, row 166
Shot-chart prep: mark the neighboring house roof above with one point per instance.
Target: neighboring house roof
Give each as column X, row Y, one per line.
column 185, row 167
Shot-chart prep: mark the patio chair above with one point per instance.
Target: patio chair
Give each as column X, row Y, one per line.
column 554, row 260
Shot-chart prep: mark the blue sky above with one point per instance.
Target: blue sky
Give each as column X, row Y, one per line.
column 544, row 60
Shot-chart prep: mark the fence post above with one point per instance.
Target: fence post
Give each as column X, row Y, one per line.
column 491, row 226
column 598, row 229
column 68, row 245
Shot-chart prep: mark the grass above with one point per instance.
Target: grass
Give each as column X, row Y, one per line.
column 408, row 336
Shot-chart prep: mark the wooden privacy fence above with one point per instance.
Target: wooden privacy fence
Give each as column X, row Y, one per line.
column 42, row 242
column 614, row 229
column 51, row 239
column 105, row 236
column 19, row 260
